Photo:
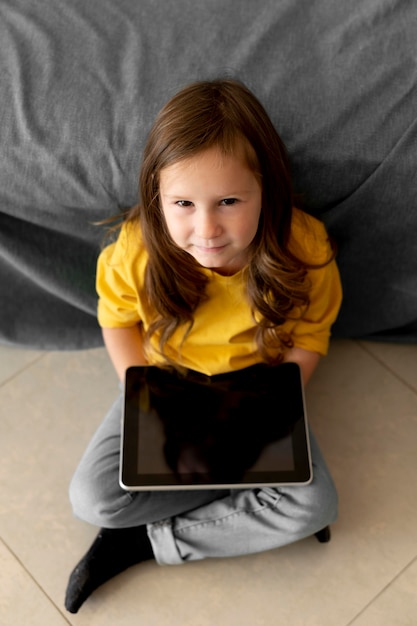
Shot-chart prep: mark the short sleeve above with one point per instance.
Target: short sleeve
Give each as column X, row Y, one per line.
column 117, row 286
column 310, row 242
column 313, row 331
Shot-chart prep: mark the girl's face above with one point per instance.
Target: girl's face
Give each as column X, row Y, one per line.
column 212, row 203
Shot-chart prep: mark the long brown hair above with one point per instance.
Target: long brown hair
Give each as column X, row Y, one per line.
column 225, row 114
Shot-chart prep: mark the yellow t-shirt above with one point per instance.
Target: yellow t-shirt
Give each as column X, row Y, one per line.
column 221, row 338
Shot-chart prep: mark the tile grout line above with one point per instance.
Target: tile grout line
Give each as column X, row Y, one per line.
column 382, row 591
column 387, row 367
column 33, row 579
column 22, row 369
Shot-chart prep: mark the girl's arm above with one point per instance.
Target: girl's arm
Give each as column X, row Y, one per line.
column 307, row 361
column 125, row 348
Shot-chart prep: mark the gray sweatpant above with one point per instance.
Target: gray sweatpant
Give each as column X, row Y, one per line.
column 191, row 525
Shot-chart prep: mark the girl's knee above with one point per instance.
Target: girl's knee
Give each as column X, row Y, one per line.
column 321, row 495
column 303, row 510
column 93, row 502
column 320, row 498
column 325, row 509
column 316, row 512
column 322, row 503
column 81, row 499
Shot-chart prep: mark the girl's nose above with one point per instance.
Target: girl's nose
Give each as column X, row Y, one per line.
column 206, row 225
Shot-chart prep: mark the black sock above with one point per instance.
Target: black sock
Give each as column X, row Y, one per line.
column 113, row 551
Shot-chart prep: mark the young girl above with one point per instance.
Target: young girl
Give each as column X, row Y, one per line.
column 214, row 270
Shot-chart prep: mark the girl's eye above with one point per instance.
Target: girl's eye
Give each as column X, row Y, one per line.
column 229, row 201
column 184, row 203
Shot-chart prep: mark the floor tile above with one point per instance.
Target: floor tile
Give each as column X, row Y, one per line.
column 12, row 360
column 22, row 602
column 47, row 415
column 396, row 606
column 400, row 358
column 366, row 422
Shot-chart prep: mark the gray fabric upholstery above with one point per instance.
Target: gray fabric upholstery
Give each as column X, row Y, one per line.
column 80, row 83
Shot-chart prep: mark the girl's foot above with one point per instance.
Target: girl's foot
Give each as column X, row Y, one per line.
column 113, row 551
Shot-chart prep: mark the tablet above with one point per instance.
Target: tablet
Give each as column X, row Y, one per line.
column 186, row 430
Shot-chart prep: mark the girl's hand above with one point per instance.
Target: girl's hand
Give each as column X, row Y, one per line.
column 307, row 361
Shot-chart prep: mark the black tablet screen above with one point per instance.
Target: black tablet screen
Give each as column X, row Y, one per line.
column 187, row 430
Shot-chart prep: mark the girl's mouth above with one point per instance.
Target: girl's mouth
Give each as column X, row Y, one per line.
column 210, row 249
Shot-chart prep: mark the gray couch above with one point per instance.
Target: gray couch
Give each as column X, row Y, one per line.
column 80, row 83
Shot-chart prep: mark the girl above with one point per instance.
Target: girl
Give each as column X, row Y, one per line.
column 214, row 270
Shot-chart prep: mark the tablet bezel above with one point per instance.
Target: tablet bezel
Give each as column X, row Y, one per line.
column 130, row 479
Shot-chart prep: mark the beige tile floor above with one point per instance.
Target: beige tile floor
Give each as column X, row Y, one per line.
column 362, row 404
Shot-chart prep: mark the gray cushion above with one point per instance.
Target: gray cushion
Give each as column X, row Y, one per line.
column 80, row 83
